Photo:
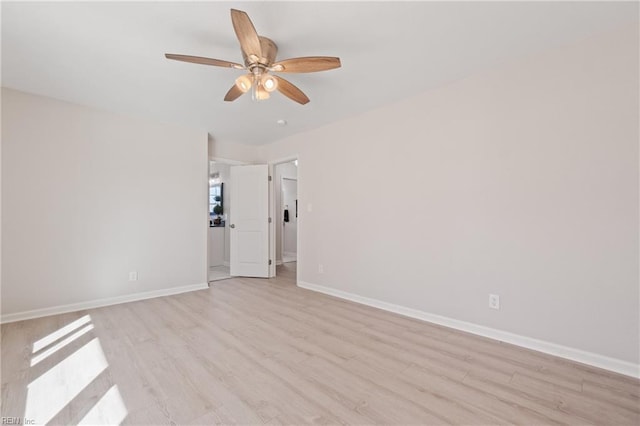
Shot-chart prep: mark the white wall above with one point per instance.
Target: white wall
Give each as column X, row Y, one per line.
column 232, row 151
column 522, row 181
column 283, row 170
column 88, row 196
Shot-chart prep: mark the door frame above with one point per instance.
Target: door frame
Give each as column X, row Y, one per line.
column 272, row 213
column 223, row 161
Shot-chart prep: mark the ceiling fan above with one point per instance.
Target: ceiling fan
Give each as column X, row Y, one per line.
column 259, row 55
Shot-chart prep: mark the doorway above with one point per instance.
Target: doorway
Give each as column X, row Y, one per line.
column 218, row 260
column 286, row 212
column 282, row 237
column 289, row 215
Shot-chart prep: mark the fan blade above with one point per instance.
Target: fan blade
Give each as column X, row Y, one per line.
column 233, row 94
column 307, row 64
column 203, row 61
column 246, row 33
column 291, row 91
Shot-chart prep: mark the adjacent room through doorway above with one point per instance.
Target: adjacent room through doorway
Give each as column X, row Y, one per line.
column 218, row 233
column 286, row 207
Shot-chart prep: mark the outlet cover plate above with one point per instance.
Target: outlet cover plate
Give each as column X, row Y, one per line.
column 494, row 301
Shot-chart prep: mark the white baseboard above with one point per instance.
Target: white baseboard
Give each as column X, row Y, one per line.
column 98, row 303
column 578, row 355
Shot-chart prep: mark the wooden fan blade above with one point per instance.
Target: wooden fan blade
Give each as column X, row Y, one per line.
column 291, row 91
column 307, row 64
column 203, row 61
column 246, row 33
column 233, row 94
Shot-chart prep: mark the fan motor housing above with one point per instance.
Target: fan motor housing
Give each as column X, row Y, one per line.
column 269, row 51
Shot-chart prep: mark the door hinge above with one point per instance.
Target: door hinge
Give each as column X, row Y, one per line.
column 269, row 261
column 269, row 220
column 269, row 178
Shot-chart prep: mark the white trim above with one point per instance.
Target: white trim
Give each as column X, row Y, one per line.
column 590, row 358
column 272, row 224
column 278, row 262
column 98, row 303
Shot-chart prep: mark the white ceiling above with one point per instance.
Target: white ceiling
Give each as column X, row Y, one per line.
column 111, row 55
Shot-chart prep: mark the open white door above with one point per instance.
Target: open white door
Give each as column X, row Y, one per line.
column 249, row 221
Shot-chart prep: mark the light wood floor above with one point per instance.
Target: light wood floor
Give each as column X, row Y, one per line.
column 251, row 351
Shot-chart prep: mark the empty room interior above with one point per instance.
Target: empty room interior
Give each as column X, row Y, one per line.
column 286, row 213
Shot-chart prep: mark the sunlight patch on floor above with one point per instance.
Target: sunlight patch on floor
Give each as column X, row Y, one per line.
column 52, row 391
column 110, row 410
column 49, row 339
column 55, row 348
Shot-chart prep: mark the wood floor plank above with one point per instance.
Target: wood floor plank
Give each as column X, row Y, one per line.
column 448, row 409
column 625, row 396
column 577, row 403
column 263, row 351
column 520, row 404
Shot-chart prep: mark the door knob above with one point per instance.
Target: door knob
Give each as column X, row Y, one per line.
column 232, row 226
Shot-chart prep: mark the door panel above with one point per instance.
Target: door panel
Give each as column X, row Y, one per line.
column 249, row 221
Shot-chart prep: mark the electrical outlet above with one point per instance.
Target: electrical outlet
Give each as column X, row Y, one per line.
column 494, row 301
column 133, row 276
column 320, row 268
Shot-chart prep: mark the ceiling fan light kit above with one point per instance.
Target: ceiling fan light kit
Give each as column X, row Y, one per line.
column 259, row 55
column 261, row 83
column 244, row 83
